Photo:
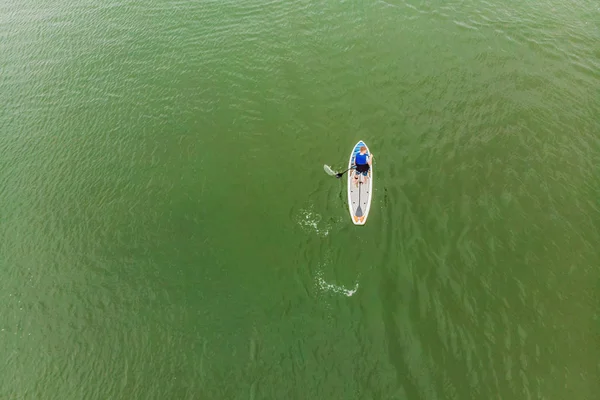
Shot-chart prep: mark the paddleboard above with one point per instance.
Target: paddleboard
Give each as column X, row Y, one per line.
column 359, row 195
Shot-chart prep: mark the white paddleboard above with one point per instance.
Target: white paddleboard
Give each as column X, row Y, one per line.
column 359, row 196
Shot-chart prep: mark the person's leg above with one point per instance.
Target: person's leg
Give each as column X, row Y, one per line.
column 356, row 177
column 358, row 174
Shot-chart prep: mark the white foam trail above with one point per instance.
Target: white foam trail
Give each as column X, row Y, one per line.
column 310, row 220
column 330, row 287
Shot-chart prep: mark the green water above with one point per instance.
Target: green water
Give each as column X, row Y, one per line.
column 167, row 230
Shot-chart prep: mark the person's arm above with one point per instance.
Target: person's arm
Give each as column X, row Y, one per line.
column 370, row 159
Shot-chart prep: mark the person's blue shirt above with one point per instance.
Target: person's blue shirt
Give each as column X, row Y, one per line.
column 361, row 159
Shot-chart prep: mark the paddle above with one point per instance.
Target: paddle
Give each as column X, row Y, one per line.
column 331, row 172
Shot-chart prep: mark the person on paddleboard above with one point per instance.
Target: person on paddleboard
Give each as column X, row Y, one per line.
column 362, row 163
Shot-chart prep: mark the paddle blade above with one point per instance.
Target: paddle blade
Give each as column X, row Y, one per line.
column 328, row 170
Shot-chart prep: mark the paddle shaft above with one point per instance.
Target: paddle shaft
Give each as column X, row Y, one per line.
column 339, row 174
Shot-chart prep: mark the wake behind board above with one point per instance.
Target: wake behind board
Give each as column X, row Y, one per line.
column 359, row 196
